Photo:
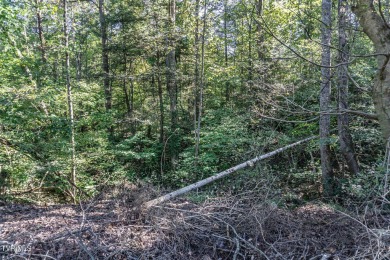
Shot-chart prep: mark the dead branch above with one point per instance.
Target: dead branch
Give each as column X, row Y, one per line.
column 221, row 174
column 361, row 114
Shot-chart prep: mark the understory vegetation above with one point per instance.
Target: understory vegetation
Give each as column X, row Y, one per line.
column 108, row 104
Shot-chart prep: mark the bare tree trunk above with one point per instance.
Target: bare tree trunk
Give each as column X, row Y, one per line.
column 160, row 89
column 196, row 87
column 42, row 44
column 378, row 30
column 79, row 68
column 260, row 35
column 70, row 104
column 346, row 143
column 202, row 81
column 125, row 91
column 250, row 61
column 328, row 181
column 160, row 98
column 260, row 77
column 40, row 32
column 131, row 103
column 105, row 64
column 220, row 175
column 225, row 13
column 171, row 83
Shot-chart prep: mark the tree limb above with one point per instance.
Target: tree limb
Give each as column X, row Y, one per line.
column 220, row 175
column 361, row 114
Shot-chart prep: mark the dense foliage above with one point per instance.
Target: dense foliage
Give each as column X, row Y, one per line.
column 187, row 91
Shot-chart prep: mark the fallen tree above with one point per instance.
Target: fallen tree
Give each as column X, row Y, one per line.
column 221, row 174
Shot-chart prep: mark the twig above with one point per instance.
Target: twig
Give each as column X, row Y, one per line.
column 69, row 233
column 44, row 256
column 81, row 244
column 237, row 248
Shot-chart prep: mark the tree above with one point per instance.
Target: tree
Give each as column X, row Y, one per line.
column 70, row 103
column 378, row 30
column 346, row 143
column 201, row 83
column 326, row 163
column 105, row 64
column 171, row 80
column 196, row 82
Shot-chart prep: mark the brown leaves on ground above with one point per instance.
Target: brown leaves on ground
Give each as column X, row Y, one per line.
column 244, row 226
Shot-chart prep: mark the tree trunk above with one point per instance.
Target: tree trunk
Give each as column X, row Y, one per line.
column 70, row 104
column 40, row 32
column 131, row 104
column 201, row 83
column 260, row 36
column 171, row 83
column 260, row 72
column 160, row 98
column 250, row 63
column 326, row 167
column 125, row 91
column 225, row 13
column 105, row 64
column 220, row 175
column 196, row 87
column 42, row 44
column 345, row 139
column 379, row 33
column 79, row 67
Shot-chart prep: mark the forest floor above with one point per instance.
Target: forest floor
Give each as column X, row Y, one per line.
column 244, row 226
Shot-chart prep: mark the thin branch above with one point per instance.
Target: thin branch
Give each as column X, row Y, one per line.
column 289, row 121
column 354, row 81
column 381, row 13
column 269, row 31
column 361, row 114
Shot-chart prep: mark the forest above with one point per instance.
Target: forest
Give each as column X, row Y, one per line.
column 195, row 129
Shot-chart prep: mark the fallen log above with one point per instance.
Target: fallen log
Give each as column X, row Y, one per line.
column 221, row 174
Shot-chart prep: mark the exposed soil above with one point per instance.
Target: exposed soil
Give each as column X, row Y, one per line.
column 244, row 226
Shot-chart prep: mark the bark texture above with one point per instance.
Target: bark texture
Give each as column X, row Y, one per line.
column 70, row 104
column 345, row 138
column 377, row 30
column 326, row 166
column 105, row 64
column 171, row 82
column 42, row 40
column 196, row 82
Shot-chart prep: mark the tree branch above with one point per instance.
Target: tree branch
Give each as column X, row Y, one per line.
column 361, row 114
column 381, row 13
column 220, row 175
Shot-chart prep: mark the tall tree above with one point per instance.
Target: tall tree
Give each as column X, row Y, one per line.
column 345, row 139
column 40, row 31
column 171, row 81
column 260, row 34
column 378, row 30
column 201, row 81
column 325, row 91
column 105, row 64
column 225, row 39
column 70, row 102
column 196, row 82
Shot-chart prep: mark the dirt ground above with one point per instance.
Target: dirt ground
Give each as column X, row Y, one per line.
column 244, row 226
